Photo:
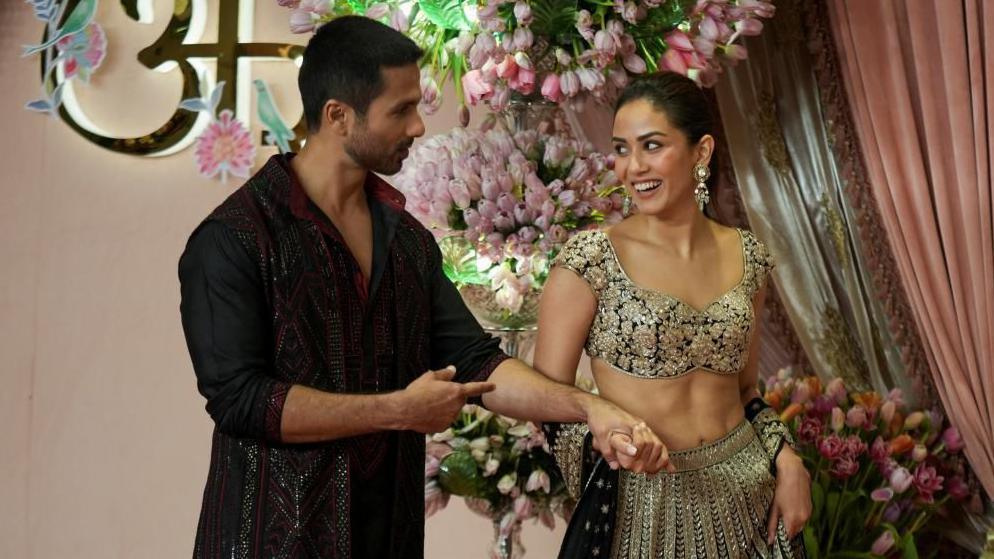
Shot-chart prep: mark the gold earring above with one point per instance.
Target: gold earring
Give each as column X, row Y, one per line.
column 701, row 174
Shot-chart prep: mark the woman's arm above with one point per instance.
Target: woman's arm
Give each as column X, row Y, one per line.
column 792, row 500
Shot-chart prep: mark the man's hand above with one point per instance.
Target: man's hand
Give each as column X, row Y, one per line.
column 792, row 500
column 432, row 402
column 624, row 440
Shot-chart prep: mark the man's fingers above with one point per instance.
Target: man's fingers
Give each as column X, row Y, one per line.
column 471, row 389
column 445, row 374
column 771, row 528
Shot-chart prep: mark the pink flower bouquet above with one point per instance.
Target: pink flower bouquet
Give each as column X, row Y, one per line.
column 879, row 471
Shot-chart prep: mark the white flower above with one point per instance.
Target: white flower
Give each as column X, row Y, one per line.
column 507, row 483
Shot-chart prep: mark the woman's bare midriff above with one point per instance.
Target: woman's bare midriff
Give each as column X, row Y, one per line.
column 684, row 412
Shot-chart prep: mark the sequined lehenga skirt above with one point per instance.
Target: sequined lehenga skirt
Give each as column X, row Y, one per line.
column 716, row 505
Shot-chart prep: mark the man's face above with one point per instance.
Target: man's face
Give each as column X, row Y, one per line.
column 381, row 141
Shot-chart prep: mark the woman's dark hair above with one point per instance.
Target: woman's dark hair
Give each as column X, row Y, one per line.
column 343, row 61
column 685, row 105
column 679, row 97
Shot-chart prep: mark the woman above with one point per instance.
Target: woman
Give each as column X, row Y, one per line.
column 666, row 303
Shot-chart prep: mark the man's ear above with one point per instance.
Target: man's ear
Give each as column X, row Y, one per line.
column 337, row 116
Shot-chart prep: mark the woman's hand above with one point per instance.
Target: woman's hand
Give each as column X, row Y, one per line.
column 792, row 500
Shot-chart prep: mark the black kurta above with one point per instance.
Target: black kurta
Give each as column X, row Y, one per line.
column 271, row 297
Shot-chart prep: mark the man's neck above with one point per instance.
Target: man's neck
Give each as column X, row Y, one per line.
column 334, row 184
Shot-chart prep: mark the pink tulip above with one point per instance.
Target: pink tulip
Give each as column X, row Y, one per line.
column 523, row 13
column 523, row 38
column 435, row 498
column 475, row 87
column 900, row 479
column 927, row 481
column 507, row 68
column 546, row 517
column 538, row 480
column 398, row 20
column 584, row 24
column 887, row 411
column 879, row 450
column 569, row 83
column 673, row 61
column 809, row 430
column 590, row 78
column 855, row 447
column 919, row 453
column 305, row 17
column 844, row 467
column 838, row 419
column 831, row 447
column 523, row 506
column 952, row 440
column 883, row 544
column 378, row 10
column 837, row 390
column 524, row 81
column 957, row 488
column 749, row 27
column 550, row 88
column 634, row 64
column 882, row 495
column 856, row 417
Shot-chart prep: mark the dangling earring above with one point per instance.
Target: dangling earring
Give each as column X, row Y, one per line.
column 626, row 204
column 701, row 174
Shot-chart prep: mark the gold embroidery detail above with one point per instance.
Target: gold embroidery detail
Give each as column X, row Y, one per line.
column 770, row 137
column 842, row 350
column 836, row 229
column 649, row 334
column 568, row 451
column 717, row 509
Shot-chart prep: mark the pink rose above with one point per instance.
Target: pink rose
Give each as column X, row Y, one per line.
column 809, row 430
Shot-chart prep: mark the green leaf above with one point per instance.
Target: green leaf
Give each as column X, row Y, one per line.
column 908, row 548
column 832, row 504
column 458, row 474
column 811, row 541
column 446, row 14
column 554, row 19
column 817, row 502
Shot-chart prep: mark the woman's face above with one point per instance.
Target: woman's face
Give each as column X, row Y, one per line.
column 655, row 160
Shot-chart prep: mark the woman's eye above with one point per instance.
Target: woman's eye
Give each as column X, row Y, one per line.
column 653, row 145
column 620, row 150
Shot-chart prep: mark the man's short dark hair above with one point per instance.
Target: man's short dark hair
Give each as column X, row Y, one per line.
column 343, row 61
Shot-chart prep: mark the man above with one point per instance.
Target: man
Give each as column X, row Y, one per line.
column 313, row 304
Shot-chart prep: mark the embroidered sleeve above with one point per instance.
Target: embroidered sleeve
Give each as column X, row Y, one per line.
column 758, row 256
column 584, row 255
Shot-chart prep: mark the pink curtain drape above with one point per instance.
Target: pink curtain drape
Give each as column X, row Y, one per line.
column 920, row 81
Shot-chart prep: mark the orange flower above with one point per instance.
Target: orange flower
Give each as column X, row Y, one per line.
column 814, row 383
column 791, row 412
column 896, row 424
column 901, row 444
column 869, row 400
column 774, row 399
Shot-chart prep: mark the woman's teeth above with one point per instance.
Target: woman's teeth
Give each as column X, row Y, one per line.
column 647, row 186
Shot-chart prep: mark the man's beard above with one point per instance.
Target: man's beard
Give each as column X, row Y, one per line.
column 369, row 153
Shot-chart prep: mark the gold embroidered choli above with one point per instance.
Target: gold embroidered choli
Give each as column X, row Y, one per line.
column 649, row 334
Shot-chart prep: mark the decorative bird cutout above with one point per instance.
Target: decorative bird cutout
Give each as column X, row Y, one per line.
column 279, row 133
column 78, row 19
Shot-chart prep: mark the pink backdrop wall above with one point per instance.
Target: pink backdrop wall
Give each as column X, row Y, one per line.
column 104, row 445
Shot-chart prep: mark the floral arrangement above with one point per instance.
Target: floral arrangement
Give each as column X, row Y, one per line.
column 502, row 467
column 513, row 198
column 565, row 50
column 879, row 471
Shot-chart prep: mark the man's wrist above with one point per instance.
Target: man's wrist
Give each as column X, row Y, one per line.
column 393, row 416
column 585, row 401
